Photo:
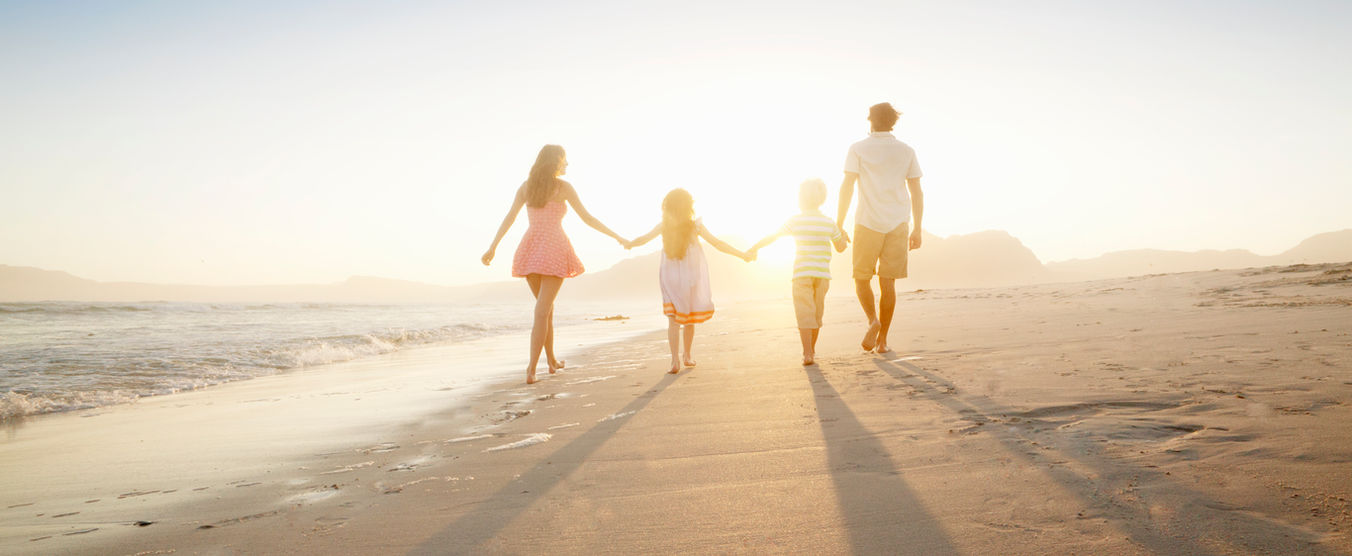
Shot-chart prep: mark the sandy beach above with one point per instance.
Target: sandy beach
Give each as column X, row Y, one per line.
column 1196, row 413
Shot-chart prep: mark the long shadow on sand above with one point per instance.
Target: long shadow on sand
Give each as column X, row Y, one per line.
column 882, row 514
column 479, row 525
column 1200, row 518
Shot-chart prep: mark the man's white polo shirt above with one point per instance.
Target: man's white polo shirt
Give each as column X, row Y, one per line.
column 883, row 164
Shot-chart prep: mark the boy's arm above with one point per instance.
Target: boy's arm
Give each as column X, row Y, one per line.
column 846, row 195
column 763, row 242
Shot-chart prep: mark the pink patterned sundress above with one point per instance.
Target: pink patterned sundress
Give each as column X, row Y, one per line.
column 545, row 249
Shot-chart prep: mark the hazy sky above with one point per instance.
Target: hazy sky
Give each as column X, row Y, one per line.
column 275, row 142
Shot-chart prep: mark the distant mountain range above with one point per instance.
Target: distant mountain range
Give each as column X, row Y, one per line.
column 983, row 259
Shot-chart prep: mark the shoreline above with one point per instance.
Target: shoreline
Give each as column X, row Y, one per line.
column 1205, row 412
column 270, row 432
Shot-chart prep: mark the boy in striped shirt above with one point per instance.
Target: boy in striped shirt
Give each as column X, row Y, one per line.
column 814, row 233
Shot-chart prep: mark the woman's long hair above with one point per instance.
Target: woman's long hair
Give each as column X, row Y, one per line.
column 543, row 182
column 678, row 223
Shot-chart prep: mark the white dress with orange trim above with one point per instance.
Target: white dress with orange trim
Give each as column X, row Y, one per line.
column 685, row 285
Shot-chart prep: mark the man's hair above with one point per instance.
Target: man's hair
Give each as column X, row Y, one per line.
column 883, row 116
column 811, row 194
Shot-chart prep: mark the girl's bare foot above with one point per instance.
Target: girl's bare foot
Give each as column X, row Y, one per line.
column 555, row 366
column 871, row 337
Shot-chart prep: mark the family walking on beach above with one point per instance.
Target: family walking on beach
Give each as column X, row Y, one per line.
column 887, row 226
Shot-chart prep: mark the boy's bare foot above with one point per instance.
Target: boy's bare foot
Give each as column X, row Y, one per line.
column 871, row 337
column 555, row 366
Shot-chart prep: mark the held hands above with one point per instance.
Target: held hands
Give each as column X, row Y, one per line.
column 749, row 255
column 625, row 243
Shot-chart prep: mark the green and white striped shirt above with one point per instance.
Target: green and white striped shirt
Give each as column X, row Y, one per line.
column 813, row 232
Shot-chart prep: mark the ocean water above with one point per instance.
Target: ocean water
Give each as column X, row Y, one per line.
column 63, row 356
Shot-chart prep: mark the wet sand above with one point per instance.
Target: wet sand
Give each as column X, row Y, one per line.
column 1199, row 413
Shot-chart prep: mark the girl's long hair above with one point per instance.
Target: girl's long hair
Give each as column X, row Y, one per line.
column 543, row 182
column 678, row 223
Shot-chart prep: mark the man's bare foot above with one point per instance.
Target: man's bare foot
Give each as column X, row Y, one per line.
column 556, row 366
column 675, row 367
column 530, row 377
column 871, row 337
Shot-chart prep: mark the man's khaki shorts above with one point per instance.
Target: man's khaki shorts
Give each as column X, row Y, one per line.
column 809, row 300
column 879, row 253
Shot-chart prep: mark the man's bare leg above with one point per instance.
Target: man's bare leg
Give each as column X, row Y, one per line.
column 864, row 290
column 887, row 303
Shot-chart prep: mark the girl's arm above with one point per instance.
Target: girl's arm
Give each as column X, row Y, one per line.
column 571, row 195
column 517, row 203
column 718, row 243
column 645, row 238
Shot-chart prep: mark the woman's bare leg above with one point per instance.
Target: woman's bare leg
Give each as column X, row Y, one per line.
column 544, row 308
column 554, row 364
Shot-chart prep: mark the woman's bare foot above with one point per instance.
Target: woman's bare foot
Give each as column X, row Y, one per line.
column 689, row 362
column 808, row 361
column 675, row 367
column 871, row 337
column 556, row 366
column 530, row 377
column 882, row 349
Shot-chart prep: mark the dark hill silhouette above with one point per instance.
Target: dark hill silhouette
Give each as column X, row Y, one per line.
column 1323, row 248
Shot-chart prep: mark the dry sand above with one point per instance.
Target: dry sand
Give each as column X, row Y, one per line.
column 1198, row 413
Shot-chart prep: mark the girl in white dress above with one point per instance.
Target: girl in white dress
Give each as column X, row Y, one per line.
column 684, row 275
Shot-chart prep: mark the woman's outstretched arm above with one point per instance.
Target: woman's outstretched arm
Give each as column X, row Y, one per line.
column 571, row 195
column 718, row 243
column 507, row 221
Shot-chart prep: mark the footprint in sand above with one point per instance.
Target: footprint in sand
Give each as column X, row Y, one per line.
column 469, row 438
column 530, row 440
column 614, row 416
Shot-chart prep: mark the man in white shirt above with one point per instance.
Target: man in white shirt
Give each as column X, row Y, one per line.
column 890, row 200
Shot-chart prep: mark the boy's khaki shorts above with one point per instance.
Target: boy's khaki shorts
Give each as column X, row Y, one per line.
column 881, row 254
column 809, row 300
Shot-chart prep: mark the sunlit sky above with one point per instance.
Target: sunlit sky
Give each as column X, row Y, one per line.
column 287, row 142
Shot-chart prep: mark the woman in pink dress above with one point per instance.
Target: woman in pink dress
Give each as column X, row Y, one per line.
column 545, row 257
